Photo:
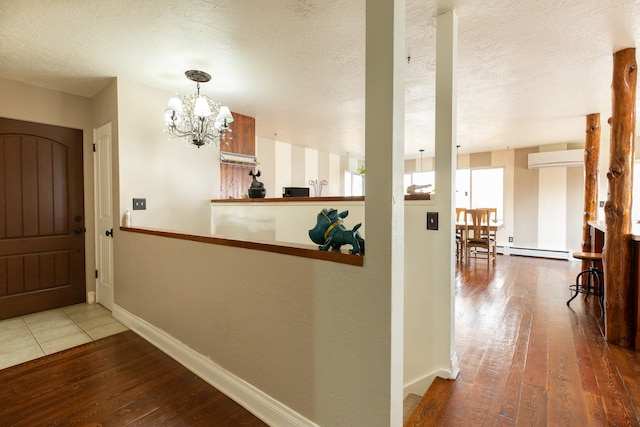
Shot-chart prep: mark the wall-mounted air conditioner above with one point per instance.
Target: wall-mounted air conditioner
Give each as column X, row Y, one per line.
column 235, row 159
column 551, row 159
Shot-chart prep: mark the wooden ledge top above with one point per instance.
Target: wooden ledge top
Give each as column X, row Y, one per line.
column 315, row 199
column 602, row 226
column 305, row 251
column 292, row 199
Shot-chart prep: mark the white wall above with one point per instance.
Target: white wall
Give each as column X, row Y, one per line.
column 311, row 168
column 542, row 207
column 425, row 304
column 426, row 164
column 316, row 336
column 298, row 165
column 308, row 333
column 548, row 204
column 295, row 166
column 335, row 177
column 305, row 332
column 288, row 222
column 178, row 180
column 505, row 159
column 427, row 307
column 266, row 153
column 552, row 209
column 552, row 206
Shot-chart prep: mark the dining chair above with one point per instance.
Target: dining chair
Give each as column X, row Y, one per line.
column 492, row 215
column 479, row 236
column 461, row 225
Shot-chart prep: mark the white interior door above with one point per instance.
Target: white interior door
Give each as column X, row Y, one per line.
column 104, row 215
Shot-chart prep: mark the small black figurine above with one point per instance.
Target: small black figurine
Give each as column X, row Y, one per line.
column 257, row 190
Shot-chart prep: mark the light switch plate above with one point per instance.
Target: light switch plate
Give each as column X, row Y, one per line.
column 432, row 220
column 139, row 204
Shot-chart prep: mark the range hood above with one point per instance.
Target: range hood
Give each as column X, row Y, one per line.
column 236, row 159
column 552, row 159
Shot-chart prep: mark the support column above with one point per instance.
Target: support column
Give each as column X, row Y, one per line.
column 384, row 207
column 619, row 321
column 591, row 157
column 445, row 164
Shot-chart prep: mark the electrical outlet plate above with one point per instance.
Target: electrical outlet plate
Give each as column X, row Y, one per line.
column 139, row 204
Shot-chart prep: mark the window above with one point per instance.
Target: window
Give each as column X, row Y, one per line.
column 353, row 184
column 487, row 188
column 419, row 178
column 480, row 188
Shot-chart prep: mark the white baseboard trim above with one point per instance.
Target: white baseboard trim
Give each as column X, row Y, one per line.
column 455, row 367
column 263, row 406
column 537, row 253
column 421, row 385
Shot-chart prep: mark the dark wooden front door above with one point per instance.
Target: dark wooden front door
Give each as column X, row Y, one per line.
column 41, row 218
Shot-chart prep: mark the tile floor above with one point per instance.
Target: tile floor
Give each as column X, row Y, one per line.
column 35, row 335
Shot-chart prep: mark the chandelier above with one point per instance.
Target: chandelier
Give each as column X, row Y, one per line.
column 197, row 118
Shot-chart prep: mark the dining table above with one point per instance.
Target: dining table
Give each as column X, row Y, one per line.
column 494, row 226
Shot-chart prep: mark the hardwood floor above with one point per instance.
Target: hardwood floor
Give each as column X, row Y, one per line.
column 527, row 359
column 117, row 381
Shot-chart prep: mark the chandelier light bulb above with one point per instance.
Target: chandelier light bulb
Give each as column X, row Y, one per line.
column 201, row 108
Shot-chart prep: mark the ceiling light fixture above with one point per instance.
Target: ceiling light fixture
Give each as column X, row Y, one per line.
column 197, row 118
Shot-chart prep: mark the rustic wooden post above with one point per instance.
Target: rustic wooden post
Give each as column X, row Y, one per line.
column 619, row 321
column 591, row 157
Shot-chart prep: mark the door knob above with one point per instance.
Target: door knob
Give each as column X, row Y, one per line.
column 79, row 230
column 109, row 233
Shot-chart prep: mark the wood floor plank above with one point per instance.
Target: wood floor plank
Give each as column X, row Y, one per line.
column 527, row 359
column 616, row 401
column 129, row 405
column 513, row 388
column 627, row 362
column 117, row 381
column 532, row 406
column 481, row 405
column 595, row 411
column 453, row 412
column 31, row 379
column 440, row 391
column 80, row 390
column 588, row 376
column 564, row 385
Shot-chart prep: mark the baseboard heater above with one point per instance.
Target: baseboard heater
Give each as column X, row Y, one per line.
column 537, row 253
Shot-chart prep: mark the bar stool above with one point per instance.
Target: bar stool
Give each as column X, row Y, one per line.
column 592, row 284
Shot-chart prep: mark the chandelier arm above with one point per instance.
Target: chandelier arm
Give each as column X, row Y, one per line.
column 197, row 129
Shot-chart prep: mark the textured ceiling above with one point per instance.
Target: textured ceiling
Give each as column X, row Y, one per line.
column 528, row 71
